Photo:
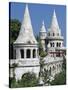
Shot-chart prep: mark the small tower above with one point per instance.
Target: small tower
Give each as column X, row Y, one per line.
column 26, row 49
column 55, row 40
column 25, row 38
column 43, row 36
column 54, row 30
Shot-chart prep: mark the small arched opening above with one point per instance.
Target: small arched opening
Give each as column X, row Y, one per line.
column 53, row 44
column 28, row 53
column 22, row 53
column 53, row 34
column 57, row 44
column 34, row 53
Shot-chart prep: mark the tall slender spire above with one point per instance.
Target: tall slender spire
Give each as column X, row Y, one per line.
column 26, row 24
column 54, row 23
column 26, row 31
column 43, row 33
column 43, row 29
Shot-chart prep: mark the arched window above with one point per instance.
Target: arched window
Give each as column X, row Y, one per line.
column 53, row 34
column 57, row 44
column 53, row 44
column 28, row 53
column 34, row 53
column 22, row 53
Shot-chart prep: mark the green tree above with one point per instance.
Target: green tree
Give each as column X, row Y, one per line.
column 41, row 52
column 60, row 79
column 46, row 79
column 28, row 80
column 12, row 82
column 14, row 29
column 14, row 26
column 64, row 63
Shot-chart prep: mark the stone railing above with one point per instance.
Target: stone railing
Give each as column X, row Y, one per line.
column 49, row 59
column 22, row 62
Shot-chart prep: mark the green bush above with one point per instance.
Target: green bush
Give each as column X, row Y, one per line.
column 12, row 83
column 60, row 79
column 43, row 54
column 27, row 80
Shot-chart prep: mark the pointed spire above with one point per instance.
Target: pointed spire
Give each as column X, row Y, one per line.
column 43, row 29
column 26, row 24
column 54, row 23
column 26, row 32
column 54, row 13
column 43, row 22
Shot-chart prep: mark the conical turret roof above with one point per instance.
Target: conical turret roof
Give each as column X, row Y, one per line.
column 43, row 29
column 54, row 23
column 54, row 28
column 26, row 32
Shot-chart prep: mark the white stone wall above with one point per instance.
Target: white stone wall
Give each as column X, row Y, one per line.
column 24, row 66
column 18, row 53
column 57, row 67
column 19, row 71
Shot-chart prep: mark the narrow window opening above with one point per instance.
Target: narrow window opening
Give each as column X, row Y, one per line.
column 22, row 53
column 34, row 53
column 28, row 53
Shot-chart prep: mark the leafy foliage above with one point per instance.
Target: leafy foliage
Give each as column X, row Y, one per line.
column 13, row 83
column 27, row 80
column 46, row 76
column 14, row 29
column 60, row 79
column 64, row 64
column 41, row 52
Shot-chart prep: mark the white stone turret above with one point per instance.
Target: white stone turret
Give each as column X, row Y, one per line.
column 54, row 29
column 43, row 31
column 55, row 40
column 54, row 23
column 26, row 49
column 25, row 38
column 26, row 32
column 43, row 35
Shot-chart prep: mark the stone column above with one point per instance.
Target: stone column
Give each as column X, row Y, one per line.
column 36, row 53
column 31, row 53
column 18, row 54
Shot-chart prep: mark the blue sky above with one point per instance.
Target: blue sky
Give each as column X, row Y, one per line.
column 40, row 12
